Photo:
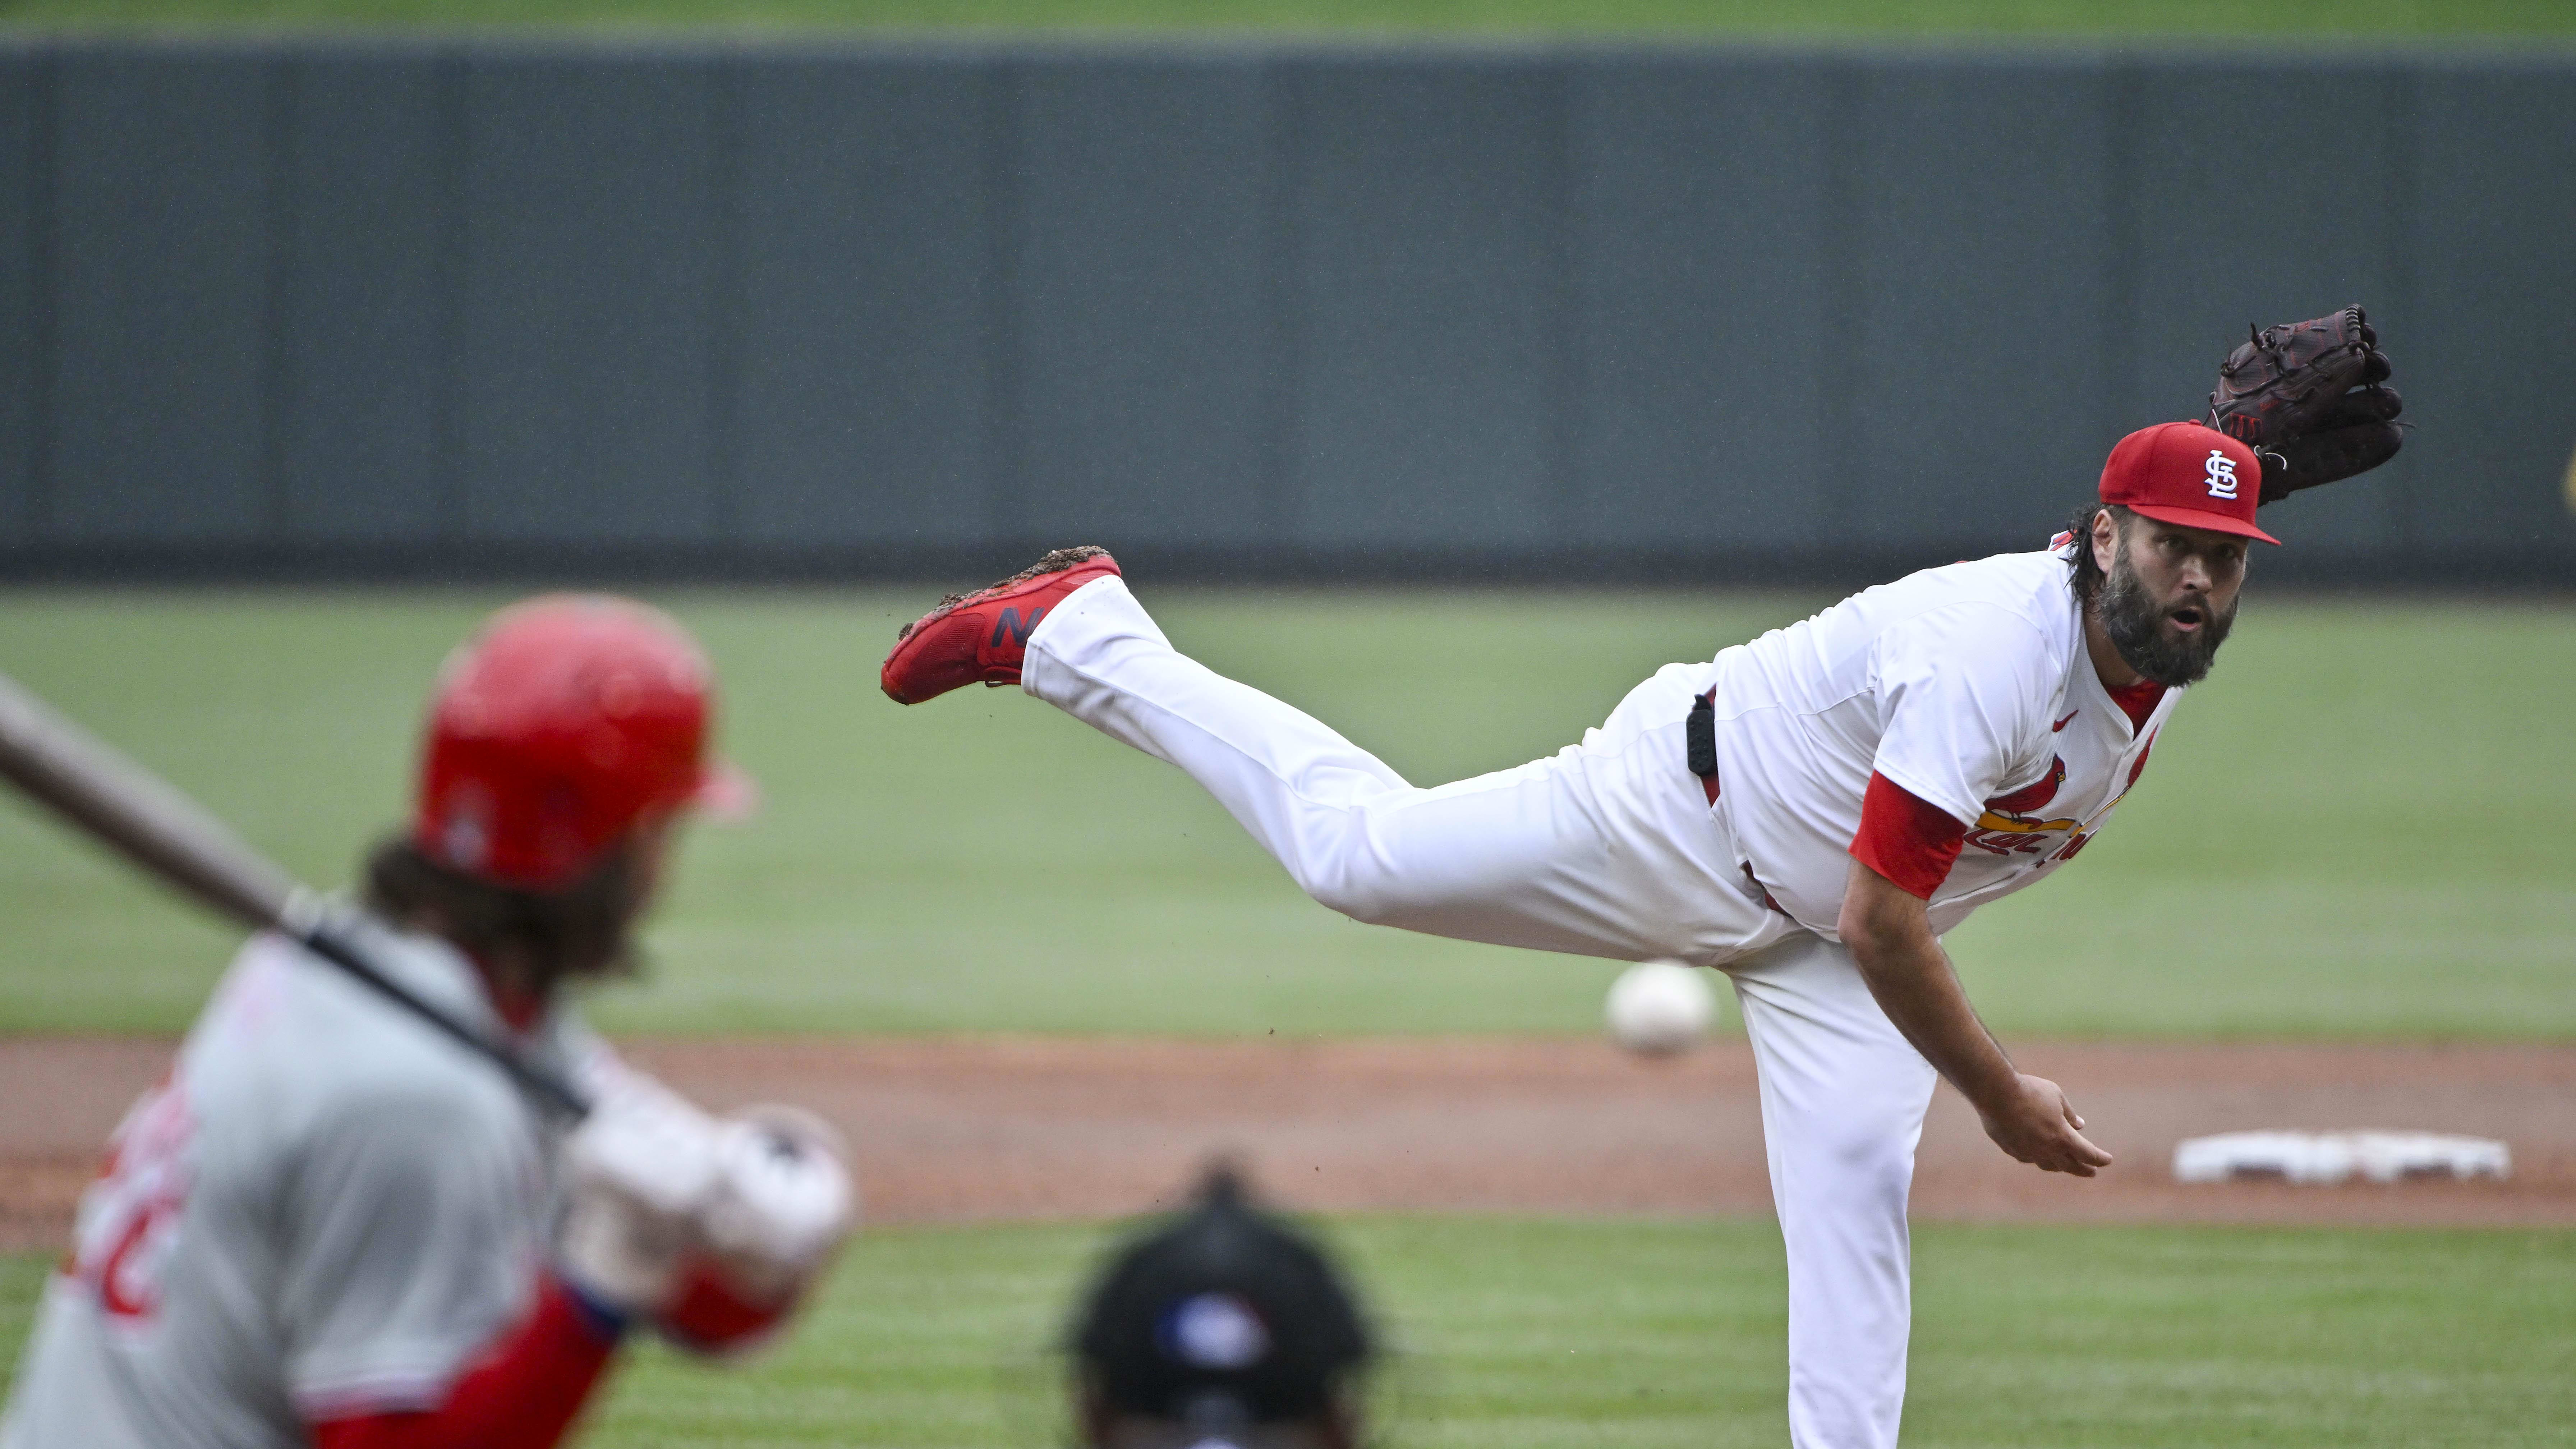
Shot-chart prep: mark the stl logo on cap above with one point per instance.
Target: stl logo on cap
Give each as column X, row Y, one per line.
column 2222, row 474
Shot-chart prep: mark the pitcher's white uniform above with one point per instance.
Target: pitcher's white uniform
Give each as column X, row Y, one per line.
column 325, row 1209
column 1969, row 686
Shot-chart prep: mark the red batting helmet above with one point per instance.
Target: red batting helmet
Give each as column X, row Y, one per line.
column 568, row 721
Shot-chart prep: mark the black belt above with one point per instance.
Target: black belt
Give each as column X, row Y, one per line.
column 1700, row 733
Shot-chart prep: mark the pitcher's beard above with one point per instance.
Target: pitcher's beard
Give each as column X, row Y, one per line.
column 2135, row 625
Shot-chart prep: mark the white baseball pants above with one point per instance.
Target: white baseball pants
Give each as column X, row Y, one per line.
column 1607, row 848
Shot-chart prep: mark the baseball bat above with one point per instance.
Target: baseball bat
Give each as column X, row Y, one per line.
column 147, row 820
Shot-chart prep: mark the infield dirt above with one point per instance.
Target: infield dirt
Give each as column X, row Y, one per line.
column 967, row 1129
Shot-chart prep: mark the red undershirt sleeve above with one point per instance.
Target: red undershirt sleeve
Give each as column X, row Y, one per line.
column 1906, row 839
column 523, row 1394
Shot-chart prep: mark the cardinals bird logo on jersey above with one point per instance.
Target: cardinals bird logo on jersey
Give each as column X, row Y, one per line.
column 2012, row 824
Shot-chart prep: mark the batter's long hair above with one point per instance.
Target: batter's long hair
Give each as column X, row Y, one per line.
column 586, row 929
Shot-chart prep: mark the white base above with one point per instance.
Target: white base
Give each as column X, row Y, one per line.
column 2327, row 1157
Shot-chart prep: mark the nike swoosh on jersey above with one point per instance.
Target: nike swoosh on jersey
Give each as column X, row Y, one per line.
column 2061, row 724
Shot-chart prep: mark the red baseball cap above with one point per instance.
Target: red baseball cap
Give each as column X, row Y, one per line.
column 2186, row 474
column 567, row 722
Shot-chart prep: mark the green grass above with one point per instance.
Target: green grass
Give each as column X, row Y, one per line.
column 1557, row 1334
column 1699, row 18
column 2358, row 827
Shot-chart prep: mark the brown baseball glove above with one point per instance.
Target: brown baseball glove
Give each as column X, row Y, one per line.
column 2308, row 398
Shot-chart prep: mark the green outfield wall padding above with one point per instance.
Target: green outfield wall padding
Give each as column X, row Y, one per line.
column 1704, row 291
column 24, row 81
column 1149, row 329
column 162, row 254
column 361, row 306
column 370, row 322
column 866, row 311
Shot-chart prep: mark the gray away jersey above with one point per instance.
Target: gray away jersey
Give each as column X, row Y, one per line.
column 325, row 1209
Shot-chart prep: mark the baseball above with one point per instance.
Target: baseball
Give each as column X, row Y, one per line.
column 1658, row 1008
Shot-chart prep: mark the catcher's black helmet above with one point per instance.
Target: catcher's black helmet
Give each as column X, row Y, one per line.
column 1219, row 1317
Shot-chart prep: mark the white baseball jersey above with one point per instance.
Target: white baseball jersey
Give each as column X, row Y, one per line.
column 1970, row 687
column 326, row 1208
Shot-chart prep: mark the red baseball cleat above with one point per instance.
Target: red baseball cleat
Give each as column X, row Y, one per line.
column 984, row 635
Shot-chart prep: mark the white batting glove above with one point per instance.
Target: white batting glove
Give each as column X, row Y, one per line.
column 640, row 1173
column 782, row 1206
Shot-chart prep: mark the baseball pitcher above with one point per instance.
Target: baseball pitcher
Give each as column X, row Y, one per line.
column 330, row 1225
column 1810, row 812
